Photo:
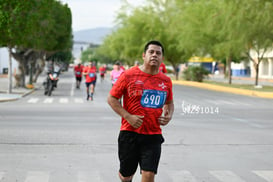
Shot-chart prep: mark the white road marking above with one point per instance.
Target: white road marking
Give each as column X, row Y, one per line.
column 63, row 100
column 37, row 176
column 267, row 175
column 78, row 100
column 184, row 176
column 89, row 176
column 48, row 100
column 2, row 175
column 226, row 176
column 33, row 100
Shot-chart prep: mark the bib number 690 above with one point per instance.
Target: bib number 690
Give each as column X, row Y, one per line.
column 153, row 98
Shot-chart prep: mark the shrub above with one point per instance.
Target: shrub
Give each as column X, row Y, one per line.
column 195, row 73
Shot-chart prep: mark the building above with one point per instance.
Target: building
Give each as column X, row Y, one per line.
column 207, row 62
column 245, row 68
column 4, row 61
column 265, row 67
column 248, row 69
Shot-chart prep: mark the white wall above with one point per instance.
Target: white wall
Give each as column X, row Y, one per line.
column 265, row 67
column 4, row 60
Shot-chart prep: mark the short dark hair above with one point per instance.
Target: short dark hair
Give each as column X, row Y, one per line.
column 154, row 42
column 117, row 63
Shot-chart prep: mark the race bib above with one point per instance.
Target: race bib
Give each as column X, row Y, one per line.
column 115, row 80
column 153, row 98
column 78, row 73
column 91, row 75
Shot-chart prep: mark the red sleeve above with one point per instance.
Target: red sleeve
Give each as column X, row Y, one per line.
column 170, row 96
column 85, row 69
column 164, row 70
column 119, row 87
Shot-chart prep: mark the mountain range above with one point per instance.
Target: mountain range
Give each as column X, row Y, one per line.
column 83, row 38
column 95, row 35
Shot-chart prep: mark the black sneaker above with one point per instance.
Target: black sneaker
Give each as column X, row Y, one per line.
column 87, row 97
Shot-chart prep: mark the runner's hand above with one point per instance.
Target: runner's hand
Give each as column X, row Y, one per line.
column 165, row 118
column 135, row 120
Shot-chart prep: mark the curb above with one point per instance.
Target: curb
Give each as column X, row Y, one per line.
column 8, row 99
column 20, row 95
column 268, row 95
column 29, row 92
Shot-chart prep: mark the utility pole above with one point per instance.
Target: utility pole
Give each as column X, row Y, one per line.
column 10, row 73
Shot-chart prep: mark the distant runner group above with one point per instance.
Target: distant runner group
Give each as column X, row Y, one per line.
column 90, row 74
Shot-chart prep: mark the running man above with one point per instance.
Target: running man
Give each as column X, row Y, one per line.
column 162, row 68
column 102, row 70
column 147, row 105
column 90, row 80
column 78, row 74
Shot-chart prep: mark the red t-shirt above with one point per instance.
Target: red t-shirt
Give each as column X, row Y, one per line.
column 145, row 95
column 91, row 76
column 78, row 70
column 102, row 70
column 94, row 68
column 162, row 68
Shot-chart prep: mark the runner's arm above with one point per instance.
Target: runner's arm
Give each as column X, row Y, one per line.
column 116, row 106
column 168, row 110
column 134, row 120
column 84, row 73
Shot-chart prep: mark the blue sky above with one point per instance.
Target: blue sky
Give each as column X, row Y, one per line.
column 88, row 14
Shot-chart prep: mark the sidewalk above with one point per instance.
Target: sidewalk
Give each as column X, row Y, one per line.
column 242, row 80
column 18, row 93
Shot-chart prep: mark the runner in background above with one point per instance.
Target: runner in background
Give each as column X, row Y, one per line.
column 102, row 70
column 116, row 72
column 94, row 66
column 90, row 80
column 78, row 74
column 162, row 68
column 121, row 66
column 95, row 69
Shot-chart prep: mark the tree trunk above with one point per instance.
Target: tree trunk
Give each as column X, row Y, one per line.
column 229, row 70
column 30, row 73
column 175, row 71
column 20, row 75
column 257, row 73
column 40, row 64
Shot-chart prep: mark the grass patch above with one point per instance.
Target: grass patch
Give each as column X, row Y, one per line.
column 265, row 88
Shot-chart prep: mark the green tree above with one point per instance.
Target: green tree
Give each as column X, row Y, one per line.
column 258, row 29
column 227, row 28
column 205, row 31
column 152, row 21
column 13, row 14
column 34, row 28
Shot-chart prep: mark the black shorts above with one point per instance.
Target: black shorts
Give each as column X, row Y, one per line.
column 134, row 149
column 90, row 83
column 79, row 79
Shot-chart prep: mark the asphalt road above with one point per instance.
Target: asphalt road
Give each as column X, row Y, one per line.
column 214, row 136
